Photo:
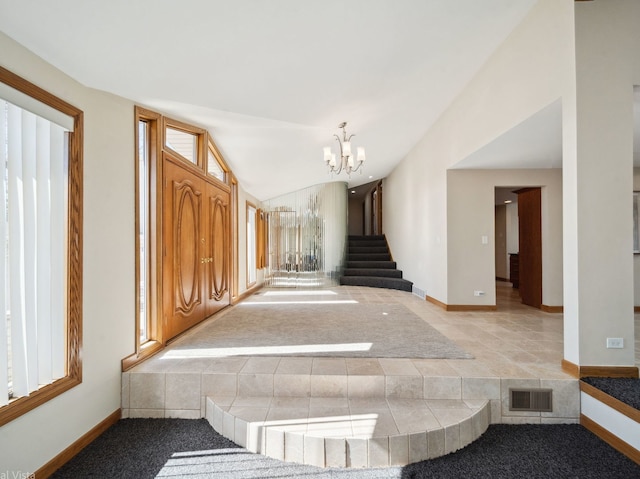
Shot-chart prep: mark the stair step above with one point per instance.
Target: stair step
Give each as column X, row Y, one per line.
column 368, row 243
column 372, row 264
column 348, row 432
column 368, row 249
column 366, row 238
column 377, row 282
column 388, row 273
column 368, row 256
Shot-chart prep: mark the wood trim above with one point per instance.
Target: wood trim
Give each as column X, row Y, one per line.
column 636, row 309
column 147, row 350
column 471, row 307
column 552, row 309
column 234, row 237
column 599, row 371
column 37, row 93
column 24, row 404
column 461, row 307
column 571, row 368
column 436, row 302
column 609, row 371
column 610, row 438
column 504, row 280
column 70, row 452
column 631, row 412
column 246, row 294
column 201, row 147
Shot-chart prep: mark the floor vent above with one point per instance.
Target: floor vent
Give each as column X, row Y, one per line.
column 421, row 293
column 530, row 400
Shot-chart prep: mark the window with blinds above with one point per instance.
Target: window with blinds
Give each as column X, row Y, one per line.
column 40, row 242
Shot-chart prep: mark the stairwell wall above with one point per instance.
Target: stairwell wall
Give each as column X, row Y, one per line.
column 531, row 69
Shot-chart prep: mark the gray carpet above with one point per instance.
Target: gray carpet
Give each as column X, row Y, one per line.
column 181, row 448
column 370, row 330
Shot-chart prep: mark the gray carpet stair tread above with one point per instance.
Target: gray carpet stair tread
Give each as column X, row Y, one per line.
column 387, row 273
column 371, row 264
column 377, row 282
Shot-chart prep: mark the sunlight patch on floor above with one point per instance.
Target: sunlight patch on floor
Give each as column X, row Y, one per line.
column 314, row 292
column 261, row 350
column 268, row 303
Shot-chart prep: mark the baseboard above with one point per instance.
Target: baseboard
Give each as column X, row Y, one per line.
column 471, row 307
column 504, row 280
column 552, row 309
column 462, row 307
column 241, row 297
column 636, row 309
column 611, row 439
column 65, row 456
column 570, row 368
column 436, row 302
column 599, row 371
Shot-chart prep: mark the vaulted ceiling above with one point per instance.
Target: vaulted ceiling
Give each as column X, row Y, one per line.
column 272, row 79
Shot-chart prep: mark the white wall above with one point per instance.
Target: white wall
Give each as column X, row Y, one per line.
column 529, row 71
column 30, row 441
column 471, row 216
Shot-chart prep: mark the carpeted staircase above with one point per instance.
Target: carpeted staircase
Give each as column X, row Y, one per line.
column 369, row 264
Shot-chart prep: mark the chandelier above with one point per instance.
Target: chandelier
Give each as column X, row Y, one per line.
column 347, row 162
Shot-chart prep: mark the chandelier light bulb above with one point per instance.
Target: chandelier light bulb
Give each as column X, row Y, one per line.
column 346, row 149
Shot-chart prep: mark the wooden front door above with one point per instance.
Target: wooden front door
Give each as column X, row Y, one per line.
column 530, row 238
column 217, row 249
column 195, row 248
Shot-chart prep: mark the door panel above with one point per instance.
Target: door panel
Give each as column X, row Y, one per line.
column 218, row 249
column 186, row 233
column 530, row 237
column 183, row 247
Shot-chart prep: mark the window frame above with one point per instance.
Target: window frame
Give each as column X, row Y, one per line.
column 252, row 251
column 74, row 248
column 154, row 340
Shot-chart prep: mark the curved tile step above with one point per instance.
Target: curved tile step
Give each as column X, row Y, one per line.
column 348, row 432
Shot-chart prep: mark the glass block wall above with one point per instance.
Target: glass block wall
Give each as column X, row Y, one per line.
column 307, row 236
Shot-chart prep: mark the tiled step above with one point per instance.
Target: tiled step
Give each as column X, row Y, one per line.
column 389, row 273
column 348, row 432
column 377, row 282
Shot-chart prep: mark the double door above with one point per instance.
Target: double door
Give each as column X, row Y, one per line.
column 196, row 247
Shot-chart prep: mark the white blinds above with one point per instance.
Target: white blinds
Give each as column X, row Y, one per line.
column 33, row 152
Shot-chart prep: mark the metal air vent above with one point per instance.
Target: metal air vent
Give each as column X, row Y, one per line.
column 530, row 400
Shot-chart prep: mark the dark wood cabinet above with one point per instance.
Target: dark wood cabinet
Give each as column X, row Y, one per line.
column 514, row 269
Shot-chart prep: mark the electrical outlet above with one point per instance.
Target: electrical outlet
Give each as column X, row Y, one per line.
column 615, row 343
column 478, row 293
